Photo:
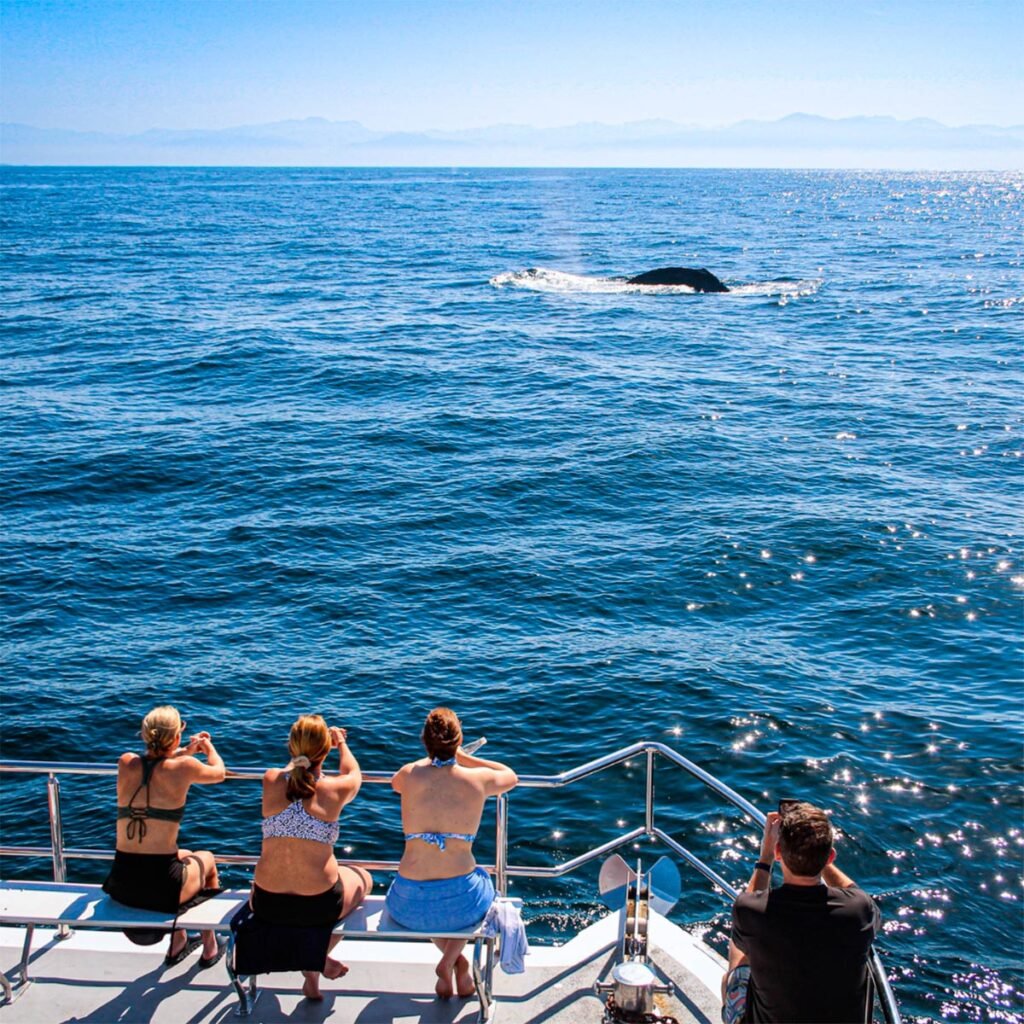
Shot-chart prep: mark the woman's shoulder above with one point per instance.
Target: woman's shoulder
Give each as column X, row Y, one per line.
column 129, row 759
column 180, row 765
column 274, row 775
column 412, row 771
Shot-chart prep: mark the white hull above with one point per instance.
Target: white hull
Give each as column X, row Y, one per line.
column 101, row 977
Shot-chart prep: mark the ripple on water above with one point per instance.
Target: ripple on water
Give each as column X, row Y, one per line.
column 336, row 456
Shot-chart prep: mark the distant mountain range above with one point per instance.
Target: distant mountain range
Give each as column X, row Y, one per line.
column 799, row 140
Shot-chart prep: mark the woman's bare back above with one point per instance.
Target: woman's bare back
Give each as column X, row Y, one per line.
column 167, row 790
column 289, row 864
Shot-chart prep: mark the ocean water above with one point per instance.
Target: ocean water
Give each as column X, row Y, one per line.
column 366, row 441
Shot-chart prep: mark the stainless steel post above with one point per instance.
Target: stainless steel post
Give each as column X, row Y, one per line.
column 60, row 873
column 649, row 810
column 501, row 845
column 886, row 998
column 26, row 952
column 56, row 828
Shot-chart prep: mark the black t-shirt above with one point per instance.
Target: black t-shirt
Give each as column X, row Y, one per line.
column 808, row 948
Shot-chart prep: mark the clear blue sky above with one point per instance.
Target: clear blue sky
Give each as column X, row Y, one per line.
column 415, row 64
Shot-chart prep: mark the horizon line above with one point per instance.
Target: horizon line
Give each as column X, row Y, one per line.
column 522, row 124
column 502, row 167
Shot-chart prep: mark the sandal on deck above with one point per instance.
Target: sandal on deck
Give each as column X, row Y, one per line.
column 192, row 943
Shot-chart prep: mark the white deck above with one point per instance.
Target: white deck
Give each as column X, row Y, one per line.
column 101, row 977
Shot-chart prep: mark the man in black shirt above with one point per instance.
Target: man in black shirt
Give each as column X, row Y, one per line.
column 805, row 943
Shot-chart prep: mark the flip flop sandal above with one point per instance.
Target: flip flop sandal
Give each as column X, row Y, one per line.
column 192, row 943
column 205, row 962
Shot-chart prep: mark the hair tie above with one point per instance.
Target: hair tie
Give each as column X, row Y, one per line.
column 299, row 762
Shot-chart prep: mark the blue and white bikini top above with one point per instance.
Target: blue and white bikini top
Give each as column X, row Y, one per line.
column 295, row 822
column 438, row 838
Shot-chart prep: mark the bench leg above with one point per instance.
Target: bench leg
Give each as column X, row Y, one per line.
column 26, row 952
column 10, row 995
column 483, row 979
column 246, row 1000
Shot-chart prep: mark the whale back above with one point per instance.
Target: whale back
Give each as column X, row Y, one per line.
column 699, row 280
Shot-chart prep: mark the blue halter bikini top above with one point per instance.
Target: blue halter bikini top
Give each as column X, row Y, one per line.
column 438, row 838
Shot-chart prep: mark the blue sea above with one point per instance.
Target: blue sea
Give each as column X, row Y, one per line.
column 278, row 441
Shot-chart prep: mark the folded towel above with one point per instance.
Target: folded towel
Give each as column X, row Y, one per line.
column 505, row 921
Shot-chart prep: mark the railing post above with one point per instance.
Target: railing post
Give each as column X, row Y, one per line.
column 56, row 828
column 60, row 873
column 649, row 809
column 501, row 845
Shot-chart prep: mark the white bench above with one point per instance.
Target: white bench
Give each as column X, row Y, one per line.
column 56, row 904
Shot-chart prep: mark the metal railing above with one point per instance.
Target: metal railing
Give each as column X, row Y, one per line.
column 59, row 854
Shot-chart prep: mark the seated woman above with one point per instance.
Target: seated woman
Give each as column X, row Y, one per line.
column 149, row 870
column 438, row 886
column 298, row 882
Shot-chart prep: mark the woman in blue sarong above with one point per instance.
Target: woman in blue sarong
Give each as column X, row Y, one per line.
column 439, row 887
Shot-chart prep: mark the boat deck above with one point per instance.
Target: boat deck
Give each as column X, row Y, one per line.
column 101, row 977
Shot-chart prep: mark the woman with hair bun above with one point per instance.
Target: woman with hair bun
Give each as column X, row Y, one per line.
column 297, row 881
column 439, row 887
column 149, row 871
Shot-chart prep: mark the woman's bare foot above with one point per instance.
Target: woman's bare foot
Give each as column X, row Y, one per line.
column 311, row 986
column 334, row 969
column 443, row 988
column 210, row 947
column 464, row 984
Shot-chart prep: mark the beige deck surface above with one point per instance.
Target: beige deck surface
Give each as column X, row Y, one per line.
column 100, row 977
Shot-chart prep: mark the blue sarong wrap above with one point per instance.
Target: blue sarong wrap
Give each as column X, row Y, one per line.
column 441, row 904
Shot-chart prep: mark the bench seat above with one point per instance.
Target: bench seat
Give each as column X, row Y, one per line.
column 57, row 904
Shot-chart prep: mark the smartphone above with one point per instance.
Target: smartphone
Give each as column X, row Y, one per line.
column 472, row 748
column 786, row 805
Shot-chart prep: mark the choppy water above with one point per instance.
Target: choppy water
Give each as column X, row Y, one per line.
column 280, row 441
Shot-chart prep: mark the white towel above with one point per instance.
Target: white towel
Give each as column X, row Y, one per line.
column 504, row 920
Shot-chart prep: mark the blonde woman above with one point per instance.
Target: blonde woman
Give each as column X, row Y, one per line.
column 298, row 881
column 149, row 871
column 439, row 887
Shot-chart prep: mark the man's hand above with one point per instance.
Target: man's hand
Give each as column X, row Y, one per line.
column 770, row 837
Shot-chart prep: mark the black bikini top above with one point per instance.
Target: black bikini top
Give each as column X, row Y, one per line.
column 137, row 815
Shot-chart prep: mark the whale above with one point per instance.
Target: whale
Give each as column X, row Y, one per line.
column 699, row 280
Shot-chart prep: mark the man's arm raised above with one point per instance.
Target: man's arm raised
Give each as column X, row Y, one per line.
column 761, row 876
column 833, row 876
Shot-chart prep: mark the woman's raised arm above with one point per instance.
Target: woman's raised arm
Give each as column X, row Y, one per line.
column 350, row 777
column 213, row 770
column 502, row 778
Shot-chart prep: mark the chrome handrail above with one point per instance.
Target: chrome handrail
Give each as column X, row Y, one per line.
column 501, row 868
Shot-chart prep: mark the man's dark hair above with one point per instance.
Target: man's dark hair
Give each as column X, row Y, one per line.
column 805, row 839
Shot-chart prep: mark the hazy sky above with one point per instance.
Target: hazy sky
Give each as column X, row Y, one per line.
column 414, row 64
